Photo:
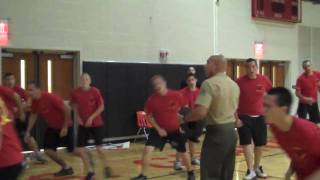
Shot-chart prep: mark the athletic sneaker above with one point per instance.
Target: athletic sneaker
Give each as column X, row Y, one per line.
column 195, row 161
column 40, row 159
column 251, row 175
column 64, row 172
column 260, row 173
column 140, row 177
column 191, row 176
column 177, row 166
column 107, row 172
column 90, row 176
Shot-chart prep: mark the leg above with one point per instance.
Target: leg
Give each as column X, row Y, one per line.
column 314, row 113
column 302, row 110
column 245, row 135
column 248, row 154
column 229, row 163
column 102, row 156
column 52, row 140
column 186, row 160
column 52, row 154
column 192, row 149
column 85, row 158
column 211, row 160
column 146, row 158
column 260, row 140
column 257, row 156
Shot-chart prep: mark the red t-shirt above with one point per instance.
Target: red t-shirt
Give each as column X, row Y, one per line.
column 7, row 95
column 51, row 108
column 302, row 144
column 190, row 96
column 308, row 85
column 87, row 103
column 165, row 109
column 252, row 92
column 10, row 152
column 22, row 93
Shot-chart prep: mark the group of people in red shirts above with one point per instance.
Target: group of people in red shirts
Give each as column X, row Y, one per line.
column 87, row 103
column 259, row 104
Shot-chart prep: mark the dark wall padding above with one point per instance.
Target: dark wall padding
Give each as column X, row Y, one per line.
column 125, row 88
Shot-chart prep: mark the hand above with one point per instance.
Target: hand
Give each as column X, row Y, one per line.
column 309, row 100
column 289, row 173
column 63, row 132
column 89, row 122
column 27, row 137
column 22, row 116
column 162, row 132
column 239, row 123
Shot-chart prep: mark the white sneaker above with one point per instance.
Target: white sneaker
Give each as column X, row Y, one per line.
column 177, row 166
column 195, row 161
column 251, row 175
column 260, row 173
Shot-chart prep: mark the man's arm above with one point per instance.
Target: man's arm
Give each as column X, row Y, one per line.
column 155, row 125
column 99, row 110
column 199, row 113
column 18, row 102
column 32, row 119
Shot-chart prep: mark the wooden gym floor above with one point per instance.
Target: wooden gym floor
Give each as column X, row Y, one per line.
column 125, row 164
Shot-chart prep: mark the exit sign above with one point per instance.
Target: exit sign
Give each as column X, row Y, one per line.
column 4, row 32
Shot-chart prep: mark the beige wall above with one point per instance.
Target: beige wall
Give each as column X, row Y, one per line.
column 124, row 30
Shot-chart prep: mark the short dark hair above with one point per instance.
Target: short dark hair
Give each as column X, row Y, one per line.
column 157, row 76
column 250, row 60
column 284, row 97
column 305, row 62
column 8, row 74
column 34, row 83
column 191, row 75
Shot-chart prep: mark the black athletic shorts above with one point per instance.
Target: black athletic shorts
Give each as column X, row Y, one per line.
column 85, row 133
column 176, row 139
column 253, row 129
column 52, row 139
column 21, row 127
column 11, row 172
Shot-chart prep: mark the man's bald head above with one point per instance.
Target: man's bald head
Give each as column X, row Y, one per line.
column 215, row 64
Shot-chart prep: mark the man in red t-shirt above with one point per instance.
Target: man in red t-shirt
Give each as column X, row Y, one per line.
column 57, row 115
column 9, row 81
column 190, row 93
column 299, row 138
column 88, row 105
column 307, row 91
column 162, row 109
column 10, row 147
column 250, row 122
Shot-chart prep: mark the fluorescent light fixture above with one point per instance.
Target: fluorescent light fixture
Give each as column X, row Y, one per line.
column 23, row 73
column 238, row 71
column 274, row 75
column 49, row 76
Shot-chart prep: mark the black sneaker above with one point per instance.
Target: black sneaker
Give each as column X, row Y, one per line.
column 191, row 176
column 64, row 172
column 107, row 172
column 90, row 176
column 140, row 177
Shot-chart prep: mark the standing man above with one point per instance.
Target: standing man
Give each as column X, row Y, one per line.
column 88, row 105
column 58, row 118
column 191, row 71
column 162, row 109
column 21, row 124
column 190, row 93
column 12, row 101
column 250, row 122
column 299, row 138
column 307, row 92
column 10, row 147
column 217, row 103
